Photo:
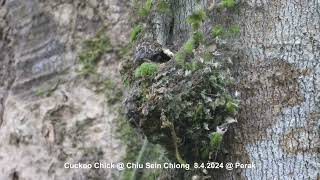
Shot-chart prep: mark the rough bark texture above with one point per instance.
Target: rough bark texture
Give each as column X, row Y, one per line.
column 286, row 45
column 40, row 41
column 277, row 66
column 279, row 81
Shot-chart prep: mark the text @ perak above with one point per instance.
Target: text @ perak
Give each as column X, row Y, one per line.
column 148, row 165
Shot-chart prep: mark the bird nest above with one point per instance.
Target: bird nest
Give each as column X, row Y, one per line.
column 184, row 108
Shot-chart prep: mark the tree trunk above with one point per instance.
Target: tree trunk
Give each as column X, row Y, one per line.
column 277, row 66
column 49, row 115
column 278, row 72
column 275, row 61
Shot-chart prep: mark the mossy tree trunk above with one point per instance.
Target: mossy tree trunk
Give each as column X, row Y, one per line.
column 278, row 76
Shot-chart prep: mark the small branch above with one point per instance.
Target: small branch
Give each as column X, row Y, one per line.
column 168, row 124
column 175, row 140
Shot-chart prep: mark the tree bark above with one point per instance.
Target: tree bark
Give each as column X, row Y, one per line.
column 276, row 62
column 49, row 115
column 278, row 77
column 282, row 44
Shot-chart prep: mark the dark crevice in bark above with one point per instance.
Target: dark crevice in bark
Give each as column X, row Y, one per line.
column 15, row 175
column 1, row 111
column 3, row 2
column 170, row 36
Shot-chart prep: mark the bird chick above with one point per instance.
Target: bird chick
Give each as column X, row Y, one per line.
column 152, row 51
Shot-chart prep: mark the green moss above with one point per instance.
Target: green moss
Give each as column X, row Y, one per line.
column 145, row 10
column 231, row 105
column 196, row 18
column 41, row 93
column 207, row 56
column 187, row 49
column 146, row 70
column 180, row 57
column 109, row 84
column 47, row 92
column 215, row 140
column 126, row 83
column 195, row 104
column 135, row 32
column 217, row 31
column 194, row 65
column 234, row 30
column 198, row 112
column 228, row 3
column 91, row 52
column 124, row 52
column 163, row 6
column 198, row 37
column 188, row 46
column 195, row 107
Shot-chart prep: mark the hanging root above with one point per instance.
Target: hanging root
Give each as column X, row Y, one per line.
column 167, row 124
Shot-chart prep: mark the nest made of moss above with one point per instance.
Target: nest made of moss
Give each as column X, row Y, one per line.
column 181, row 106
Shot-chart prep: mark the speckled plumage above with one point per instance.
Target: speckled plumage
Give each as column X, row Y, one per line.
column 152, row 51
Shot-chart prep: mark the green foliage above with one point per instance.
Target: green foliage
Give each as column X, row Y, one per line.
column 198, row 37
column 196, row 18
column 228, row 3
column 163, row 6
column 231, row 105
column 217, row 31
column 234, row 30
column 124, row 52
column 135, row 32
column 145, row 10
column 204, row 152
column 91, row 53
column 180, row 57
column 146, row 70
column 186, row 50
column 193, row 65
column 194, row 104
column 207, row 55
column 215, row 140
column 126, row 83
column 188, row 46
column 198, row 112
